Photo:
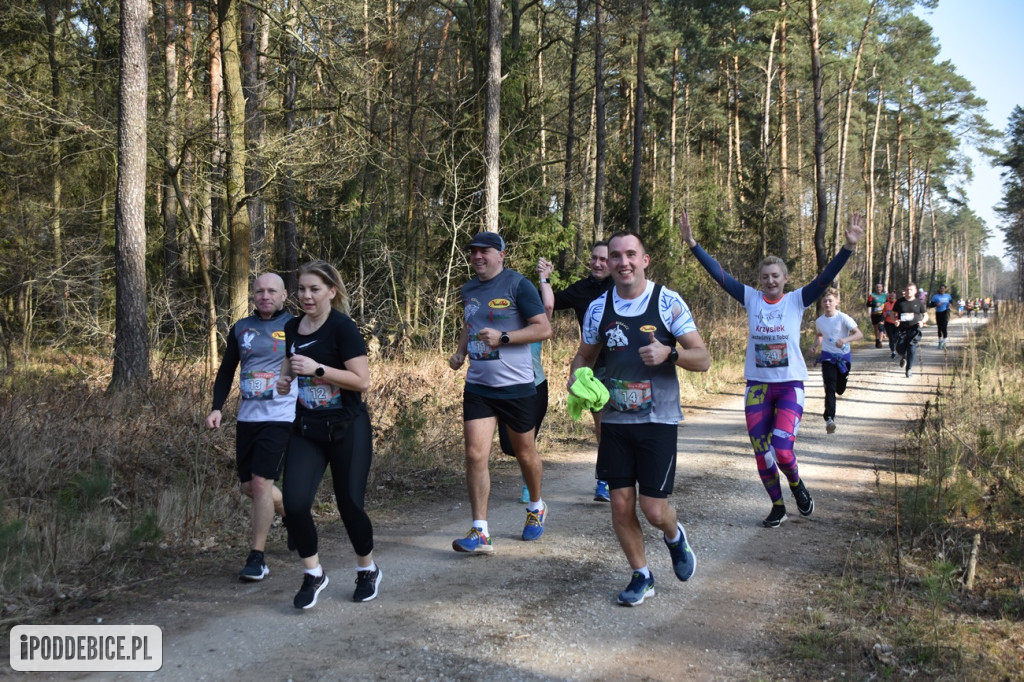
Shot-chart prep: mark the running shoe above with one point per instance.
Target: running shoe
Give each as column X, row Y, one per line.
column 639, row 588
column 601, row 492
column 366, row 585
column 475, row 541
column 903, row 362
column 830, row 425
column 878, row 343
column 684, row 561
column 255, row 567
column 312, row 586
column 525, row 497
column 892, row 355
column 910, row 375
column 776, row 517
column 534, row 527
column 804, row 502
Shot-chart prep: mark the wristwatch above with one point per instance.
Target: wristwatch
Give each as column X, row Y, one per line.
column 319, row 371
column 673, row 355
column 504, row 338
column 545, row 280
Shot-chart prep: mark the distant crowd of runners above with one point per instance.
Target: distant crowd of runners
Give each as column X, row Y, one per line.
column 302, row 381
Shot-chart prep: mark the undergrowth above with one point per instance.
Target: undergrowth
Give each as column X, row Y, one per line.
column 932, row 587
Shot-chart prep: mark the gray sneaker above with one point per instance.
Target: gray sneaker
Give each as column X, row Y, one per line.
column 639, row 588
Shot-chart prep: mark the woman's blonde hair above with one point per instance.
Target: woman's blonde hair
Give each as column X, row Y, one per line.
column 773, row 260
column 330, row 277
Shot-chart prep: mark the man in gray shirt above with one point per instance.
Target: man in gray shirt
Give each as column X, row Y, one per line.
column 264, row 416
column 503, row 315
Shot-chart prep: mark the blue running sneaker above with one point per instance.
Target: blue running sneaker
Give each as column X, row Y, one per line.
column 684, row 561
column 601, row 493
column 475, row 542
column 534, row 527
column 639, row 589
column 525, row 497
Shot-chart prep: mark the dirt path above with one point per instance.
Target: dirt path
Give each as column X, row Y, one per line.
column 546, row 610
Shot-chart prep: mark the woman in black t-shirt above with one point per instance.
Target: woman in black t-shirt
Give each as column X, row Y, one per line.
column 327, row 355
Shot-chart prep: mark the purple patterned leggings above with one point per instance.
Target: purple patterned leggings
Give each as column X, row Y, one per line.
column 773, row 417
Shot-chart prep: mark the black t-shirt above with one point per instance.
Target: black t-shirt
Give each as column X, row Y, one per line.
column 903, row 308
column 336, row 341
column 580, row 294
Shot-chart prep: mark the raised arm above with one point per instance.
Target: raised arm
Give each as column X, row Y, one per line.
column 731, row 285
column 813, row 291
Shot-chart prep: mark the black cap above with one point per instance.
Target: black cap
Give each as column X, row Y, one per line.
column 491, row 240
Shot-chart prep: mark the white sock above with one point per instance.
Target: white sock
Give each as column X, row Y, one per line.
column 676, row 539
column 535, row 506
column 646, row 572
column 371, row 567
column 316, row 572
column 482, row 525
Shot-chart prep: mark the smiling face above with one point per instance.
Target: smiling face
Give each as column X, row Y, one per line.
column 772, row 281
column 599, row 262
column 315, row 295
column 627, row 262
column 487, row 262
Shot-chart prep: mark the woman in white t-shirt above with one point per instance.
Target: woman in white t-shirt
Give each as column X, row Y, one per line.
column 775, row 370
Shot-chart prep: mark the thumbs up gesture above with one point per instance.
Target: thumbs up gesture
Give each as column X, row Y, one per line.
column 655, row 353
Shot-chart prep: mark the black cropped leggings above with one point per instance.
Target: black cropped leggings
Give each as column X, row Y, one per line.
column 942, row 320
column 349, row 457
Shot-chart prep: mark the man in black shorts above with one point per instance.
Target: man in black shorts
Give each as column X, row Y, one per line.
column 578, row 296
column 647, row 331
column 502, row 316
column 264, row 417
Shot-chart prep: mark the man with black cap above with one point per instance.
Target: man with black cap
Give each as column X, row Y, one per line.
column 502, row 316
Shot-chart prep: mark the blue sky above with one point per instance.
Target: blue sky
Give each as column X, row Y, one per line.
column 984, row 39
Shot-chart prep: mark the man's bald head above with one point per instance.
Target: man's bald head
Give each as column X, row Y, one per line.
column 268, row 294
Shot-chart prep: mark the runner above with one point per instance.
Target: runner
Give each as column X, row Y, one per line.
column 940, row 302
column 332, row 427
column 775, row 368
column 876, row 301
column 910, row 315
column 578, row 296
column 264, row 418
column 503, row 315
column 836, row 331
column 639, row 323
column 889, row 319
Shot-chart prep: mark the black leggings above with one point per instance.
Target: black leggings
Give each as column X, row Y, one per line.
column 890, row 332
column 349, row 458
column 835, row 382
column 942, row 319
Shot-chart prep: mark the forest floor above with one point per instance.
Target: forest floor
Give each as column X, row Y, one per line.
column 547, row 609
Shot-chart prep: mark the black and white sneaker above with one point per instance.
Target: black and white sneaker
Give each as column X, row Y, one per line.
column 903, row 362
column 366, row 585
column 804, row 502
column 830, row 425
column 312, row 586
column 255, row 567
column 776, row 517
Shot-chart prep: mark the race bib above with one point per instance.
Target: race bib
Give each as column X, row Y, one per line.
column 771, row 355
column 257, row 385
column 630, row 396
column 478, row 350
column 318, row 394
column 906, row 317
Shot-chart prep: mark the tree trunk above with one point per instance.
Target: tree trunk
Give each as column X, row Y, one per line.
column 673, row 113
column 169, row 209
column 845, row 135
column 870, row 210
column 51, row 9
column 492, row 127
column 131, row 340
column 570, row 126
column 821, row 195
column 239, row 228
column 638, row 122
column 254, row 91
column 601, row 142
column 287, row 243
column 783, row 138
column 894, row 189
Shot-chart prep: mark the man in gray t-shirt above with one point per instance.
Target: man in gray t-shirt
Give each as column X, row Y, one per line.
column 502, row 316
